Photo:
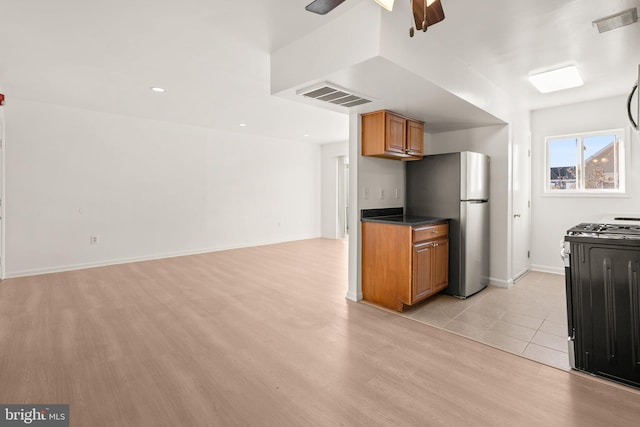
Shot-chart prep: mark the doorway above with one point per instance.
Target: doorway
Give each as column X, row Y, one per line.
column 521, row 219
column 343, row 196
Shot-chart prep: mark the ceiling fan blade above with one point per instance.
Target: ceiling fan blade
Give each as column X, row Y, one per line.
column 434, row 13
column 322, row 7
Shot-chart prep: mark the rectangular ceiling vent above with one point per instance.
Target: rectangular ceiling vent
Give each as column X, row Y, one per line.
column 329, row 92
column 608, row 23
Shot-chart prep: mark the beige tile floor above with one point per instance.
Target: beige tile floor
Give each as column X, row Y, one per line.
column 528, row 319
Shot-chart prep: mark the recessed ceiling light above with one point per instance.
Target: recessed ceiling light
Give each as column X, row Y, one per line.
column 558, row 79
column 243, row 125
column 157, row 89
column 306, row 135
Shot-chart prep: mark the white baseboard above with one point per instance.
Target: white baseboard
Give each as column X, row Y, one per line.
column 547, row 269
column 520, row 275
column 81, row 266
column 104, row 263
column 499, row 283
column 354, row 296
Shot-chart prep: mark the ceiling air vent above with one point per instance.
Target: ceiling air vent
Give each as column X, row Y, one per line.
column 608, row 23
column 336, row 95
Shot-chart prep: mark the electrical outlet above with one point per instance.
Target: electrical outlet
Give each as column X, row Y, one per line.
column 94, row 239
column 397, row 193
column 365, row 193
column 381, row 193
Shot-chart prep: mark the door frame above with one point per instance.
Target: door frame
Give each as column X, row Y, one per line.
column 342, row 204
column 2, row 193
column 521, row 154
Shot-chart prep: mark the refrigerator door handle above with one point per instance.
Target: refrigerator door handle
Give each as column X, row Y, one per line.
column 634, row 124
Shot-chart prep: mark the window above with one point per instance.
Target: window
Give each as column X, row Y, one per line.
column 585, row 163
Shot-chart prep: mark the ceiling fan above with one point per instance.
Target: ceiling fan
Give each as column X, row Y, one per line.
column 425, row 12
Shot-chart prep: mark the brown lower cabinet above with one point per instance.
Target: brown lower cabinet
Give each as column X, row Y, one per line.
column 402, row 264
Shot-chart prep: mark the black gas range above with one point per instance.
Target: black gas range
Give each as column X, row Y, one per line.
column 602, row 275
column 604, row 231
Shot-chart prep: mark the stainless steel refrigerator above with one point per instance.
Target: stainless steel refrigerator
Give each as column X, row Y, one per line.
column 456, row 186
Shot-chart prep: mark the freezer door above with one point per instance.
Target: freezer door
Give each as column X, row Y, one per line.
column 474, row 179
column 474, row 230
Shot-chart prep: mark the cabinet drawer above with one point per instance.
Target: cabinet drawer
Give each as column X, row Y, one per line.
column 429, row 232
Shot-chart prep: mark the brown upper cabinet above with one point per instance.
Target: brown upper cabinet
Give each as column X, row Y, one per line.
column 392, row 136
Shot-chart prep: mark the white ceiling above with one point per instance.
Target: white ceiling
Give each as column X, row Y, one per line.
column 213, row 56
column 505, row 40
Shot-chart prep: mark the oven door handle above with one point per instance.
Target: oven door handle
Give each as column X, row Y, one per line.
column 565, row 252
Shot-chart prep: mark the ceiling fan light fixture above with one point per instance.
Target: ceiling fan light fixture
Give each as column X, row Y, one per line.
column 387, row 4
column 558, row 79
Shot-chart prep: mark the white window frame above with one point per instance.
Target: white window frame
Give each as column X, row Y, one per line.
column 580, row 190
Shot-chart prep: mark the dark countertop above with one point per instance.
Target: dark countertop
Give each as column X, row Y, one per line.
column 396, row 216
column 409, row 220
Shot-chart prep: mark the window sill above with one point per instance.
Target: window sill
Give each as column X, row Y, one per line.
column 593, row 194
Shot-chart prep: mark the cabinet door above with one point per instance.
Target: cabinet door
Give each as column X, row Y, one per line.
column 386, row 264
column 415, row 137
column 440, row 264
column 422, row 281
column 395, row 137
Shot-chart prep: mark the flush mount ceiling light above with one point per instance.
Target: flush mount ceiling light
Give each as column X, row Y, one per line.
column 608, row 23
column 558, row 79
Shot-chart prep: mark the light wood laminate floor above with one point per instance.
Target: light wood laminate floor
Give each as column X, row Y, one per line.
column 264, row 336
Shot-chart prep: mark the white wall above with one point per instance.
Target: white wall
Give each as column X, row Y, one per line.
column 330, row 156
column 493, row 141
column 553, row 215
column 376, row 175
column 147, row 188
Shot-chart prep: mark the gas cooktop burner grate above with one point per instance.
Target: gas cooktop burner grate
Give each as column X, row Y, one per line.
column 614, row 231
